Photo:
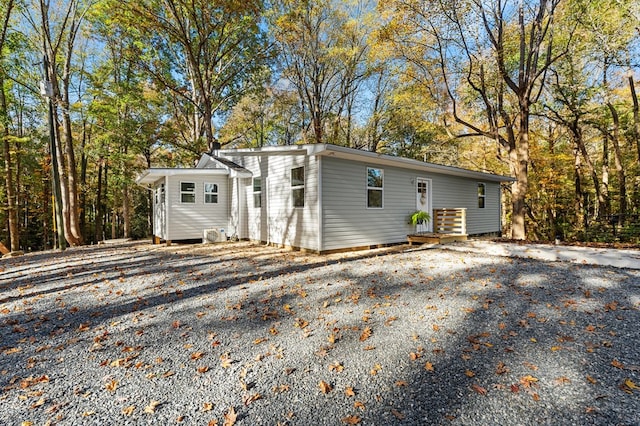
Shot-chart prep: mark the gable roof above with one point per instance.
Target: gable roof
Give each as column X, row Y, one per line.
column 369, row 157
column 209, row 162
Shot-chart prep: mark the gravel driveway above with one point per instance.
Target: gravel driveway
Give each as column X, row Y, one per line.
column 253, row 335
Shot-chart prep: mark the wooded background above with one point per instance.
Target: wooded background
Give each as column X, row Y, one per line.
column 544, row 91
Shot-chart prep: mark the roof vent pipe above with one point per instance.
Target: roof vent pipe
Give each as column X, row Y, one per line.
column 215, row 147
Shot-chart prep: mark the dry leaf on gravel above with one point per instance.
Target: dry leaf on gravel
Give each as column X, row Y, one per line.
column 351, row 420
column 325, row 387
column 230, row 417
column 151, row 408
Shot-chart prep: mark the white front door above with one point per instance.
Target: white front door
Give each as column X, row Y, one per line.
column 423, row 202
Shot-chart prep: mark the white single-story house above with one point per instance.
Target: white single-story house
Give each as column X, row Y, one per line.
column 318, row 197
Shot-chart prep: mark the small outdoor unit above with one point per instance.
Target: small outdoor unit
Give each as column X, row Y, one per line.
column 214, row 236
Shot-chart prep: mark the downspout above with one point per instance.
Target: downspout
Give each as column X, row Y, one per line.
column 239, row 209
column 165, row 207
column 319, row 198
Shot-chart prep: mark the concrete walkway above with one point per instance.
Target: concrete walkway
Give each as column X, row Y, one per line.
column 618, row 258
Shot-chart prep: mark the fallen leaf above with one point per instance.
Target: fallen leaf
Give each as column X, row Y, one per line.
column 591, row 380
column 376, row 368
column 203, row 369
column 429, row 367
column 401, row 383
column 397, row 414
column 336, row 366
column 501, row 368
column 197, row 355
column 207, row 406
column 151, row 408
column 349, row 391
column 325, row 387
column 111, row 386
column 617, row 364
column 127, row 411
column 11, row 351
column 248, row 399
column 479, row 389
column 527, row 381
column 281, row 388
column 562, row 380
column 351, row 420
column 628, row 386
column 366, row 333
column 359, row 404
column 469, row 373
column 225, row 361
column 230, row 417
column 42, row 401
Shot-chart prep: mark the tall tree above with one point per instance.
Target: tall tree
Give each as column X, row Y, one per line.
column 323, row 47
column 205, row 53
column 496, row 53
column 6, row 8
column 58, row 27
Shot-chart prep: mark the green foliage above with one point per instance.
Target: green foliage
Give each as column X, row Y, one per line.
column 419, row 217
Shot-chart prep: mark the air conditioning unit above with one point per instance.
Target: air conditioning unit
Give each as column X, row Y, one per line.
column 214, row 236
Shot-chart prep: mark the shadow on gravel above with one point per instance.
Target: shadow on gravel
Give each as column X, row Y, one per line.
column 473, row 340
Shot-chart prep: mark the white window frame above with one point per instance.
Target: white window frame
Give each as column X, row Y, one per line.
column 213, row 193
column 184, row 192
column 297, row 187
column 257, row 195
column 376, row 188
column 482, row 196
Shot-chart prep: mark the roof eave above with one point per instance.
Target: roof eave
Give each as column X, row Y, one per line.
column 151, row 176
column 384, row 159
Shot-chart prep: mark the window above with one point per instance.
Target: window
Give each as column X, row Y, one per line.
column 210, row 193
column 187, row 192
column 375, row 184
column 482, row 191
column 297, row 186
column 160, row 194
column 257, row 192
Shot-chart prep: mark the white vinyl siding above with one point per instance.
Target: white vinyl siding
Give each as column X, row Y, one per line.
column 277, row 221
column 347, row 222
column 189, row 220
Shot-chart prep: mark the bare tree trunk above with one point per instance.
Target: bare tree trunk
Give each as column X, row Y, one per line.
column 83, row 180
column 605, row 202
column 126, row 212
column 64, row 147
column 636, row 116
column 617, row 158
column 99, row 236
column 10, row 188
column 578, row 197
